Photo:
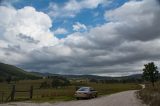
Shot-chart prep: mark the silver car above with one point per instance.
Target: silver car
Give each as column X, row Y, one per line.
column 86, row 92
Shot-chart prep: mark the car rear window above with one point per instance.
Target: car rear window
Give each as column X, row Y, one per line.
column 83, row 89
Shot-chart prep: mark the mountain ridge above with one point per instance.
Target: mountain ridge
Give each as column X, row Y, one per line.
column 7, row 70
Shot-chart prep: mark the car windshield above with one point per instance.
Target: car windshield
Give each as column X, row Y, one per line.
column 83, row 89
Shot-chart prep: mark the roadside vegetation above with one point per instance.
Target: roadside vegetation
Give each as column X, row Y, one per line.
column 63, row 90
column 151, row 95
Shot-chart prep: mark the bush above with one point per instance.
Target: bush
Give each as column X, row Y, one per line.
column 60, row 82
column 45, row 85
column 151, row 95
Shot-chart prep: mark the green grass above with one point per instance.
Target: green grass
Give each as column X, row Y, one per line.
column 151, row 95
column 105, row 89
column 61, row 94
column 53, row 99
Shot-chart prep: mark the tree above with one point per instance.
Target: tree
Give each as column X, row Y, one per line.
column 93, row 80
column 150, row 73
column 59, row 82
column 45, row 84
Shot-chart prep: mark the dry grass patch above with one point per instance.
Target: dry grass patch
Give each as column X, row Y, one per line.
column 151, row 95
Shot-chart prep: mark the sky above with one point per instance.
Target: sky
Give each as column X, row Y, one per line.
column 97, row 37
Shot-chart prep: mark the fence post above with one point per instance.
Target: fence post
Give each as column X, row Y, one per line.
column 13, row 93
column 31, row 92
column 2, row 96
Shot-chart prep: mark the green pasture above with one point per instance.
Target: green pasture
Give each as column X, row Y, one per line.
column 60, row 93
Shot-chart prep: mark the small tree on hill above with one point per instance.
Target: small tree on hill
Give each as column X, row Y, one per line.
column 150, row 72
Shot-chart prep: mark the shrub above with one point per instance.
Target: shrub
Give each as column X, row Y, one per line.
column 45, row 84
column 151, row 95
column 60, row 82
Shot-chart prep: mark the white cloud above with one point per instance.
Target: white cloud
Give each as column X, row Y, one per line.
column 91, row 3
column 26, row 23
column 140, row 18
column 72, row 7
column 8, row 3
column 79, row 27
column 128, row 11
column 24, row 28
column 60, row 31
column 119, row 47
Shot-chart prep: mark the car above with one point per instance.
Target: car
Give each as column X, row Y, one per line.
column 86, row 92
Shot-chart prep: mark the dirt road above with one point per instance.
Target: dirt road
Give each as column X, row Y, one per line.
column 126, row 98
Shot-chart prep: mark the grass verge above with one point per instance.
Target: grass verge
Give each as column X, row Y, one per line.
column 151, row 95
column 63, row 93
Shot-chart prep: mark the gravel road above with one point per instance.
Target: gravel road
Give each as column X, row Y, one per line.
column 126, row 98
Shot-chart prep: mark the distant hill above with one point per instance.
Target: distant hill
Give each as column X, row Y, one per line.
column 14, row 72
column 44, row 74
column 137, row 76
column 72, row 76
column 134, row 76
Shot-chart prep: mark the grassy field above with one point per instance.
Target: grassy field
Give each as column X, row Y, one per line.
column 151, row 95
column 60, row 94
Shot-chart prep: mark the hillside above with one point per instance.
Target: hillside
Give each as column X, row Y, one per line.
column 73, row 76
column 130, row 78
column 17, row 73
column 14, row 72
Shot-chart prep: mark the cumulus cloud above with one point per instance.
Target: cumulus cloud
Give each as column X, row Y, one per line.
column 79, row 27
column 118, row 47
column 28, row 24
column 60, row 31
column 25, row 28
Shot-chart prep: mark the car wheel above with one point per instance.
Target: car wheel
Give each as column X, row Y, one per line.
column 90, row 97
column 96, row 96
